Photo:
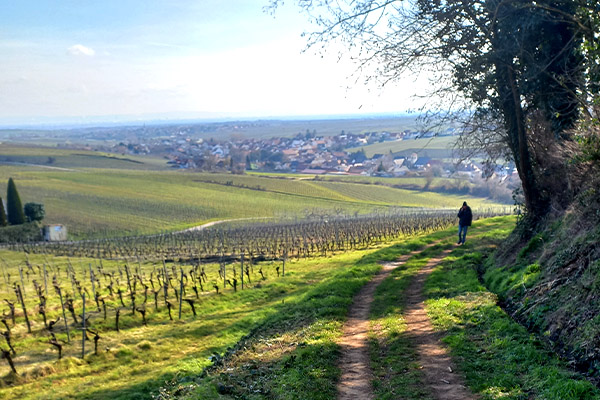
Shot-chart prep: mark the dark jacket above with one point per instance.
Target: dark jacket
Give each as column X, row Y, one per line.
column 465, row 216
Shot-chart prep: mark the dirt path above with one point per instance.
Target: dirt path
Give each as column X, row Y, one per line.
column 433, row 355
column 355, row 382
column 221, row 221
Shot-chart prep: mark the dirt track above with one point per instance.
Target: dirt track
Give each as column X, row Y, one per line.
column 355, row 381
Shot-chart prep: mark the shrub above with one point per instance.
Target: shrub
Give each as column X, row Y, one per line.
column 28, row 232
column 34, row 211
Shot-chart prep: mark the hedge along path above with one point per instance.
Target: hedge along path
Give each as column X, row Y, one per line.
column 434, row 357
column 356, row 376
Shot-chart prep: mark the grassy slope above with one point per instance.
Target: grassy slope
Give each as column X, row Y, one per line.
column 285, row 332
column 483, row 337
column 413, row 183
column 120, row 199
column 552, row 284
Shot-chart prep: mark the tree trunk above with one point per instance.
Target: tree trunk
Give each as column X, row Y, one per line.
column 516, row 128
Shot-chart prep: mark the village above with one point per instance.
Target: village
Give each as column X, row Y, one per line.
column 310, row 153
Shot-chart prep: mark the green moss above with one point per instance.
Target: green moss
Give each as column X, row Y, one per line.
column 534, row 244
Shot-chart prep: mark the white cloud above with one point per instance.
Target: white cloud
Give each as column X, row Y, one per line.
column 81, row 50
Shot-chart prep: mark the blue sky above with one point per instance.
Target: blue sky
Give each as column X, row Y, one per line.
column 172, row 58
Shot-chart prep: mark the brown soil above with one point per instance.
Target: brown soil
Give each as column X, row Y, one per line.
column 355, row 382
column 434, row 359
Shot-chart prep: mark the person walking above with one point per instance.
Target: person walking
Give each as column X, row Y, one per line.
column 465, row 218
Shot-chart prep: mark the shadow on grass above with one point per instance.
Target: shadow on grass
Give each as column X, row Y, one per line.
column 288, row 350
column 310, row 314
column 147, row 389
column 293, row 352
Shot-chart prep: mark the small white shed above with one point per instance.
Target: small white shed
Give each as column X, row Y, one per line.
column 54, row 233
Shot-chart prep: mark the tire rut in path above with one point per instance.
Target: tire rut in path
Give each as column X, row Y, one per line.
column 434, row 358
column 356, row 377
column 355, row 381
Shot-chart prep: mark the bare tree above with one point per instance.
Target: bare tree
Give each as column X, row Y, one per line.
column 518, row 74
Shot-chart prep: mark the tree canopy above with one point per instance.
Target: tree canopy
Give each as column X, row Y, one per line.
column 13, row 204
column 34, row 211
column 518, row 74
column 3, row 221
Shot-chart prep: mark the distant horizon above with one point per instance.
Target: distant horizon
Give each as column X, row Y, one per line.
column 104, row 121
column 78, row 63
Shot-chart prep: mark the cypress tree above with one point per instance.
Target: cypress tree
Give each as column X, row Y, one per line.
column 3, row 221
column 16, row 216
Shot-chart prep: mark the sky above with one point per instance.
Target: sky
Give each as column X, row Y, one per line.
column 166, row 59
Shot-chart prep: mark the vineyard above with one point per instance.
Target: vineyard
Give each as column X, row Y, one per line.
column 264, row 241
column 101, row 298
column 96, row 203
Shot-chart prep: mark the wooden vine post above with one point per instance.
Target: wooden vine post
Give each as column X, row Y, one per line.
column 20, row 295
column 180, row 292
column 62, row 304
column 223, row 266
column 165, row 280
column 21, row 274
column 83, row 330
column 92, row 279
column 242, row 270
column 128, row 278
column 45, row 280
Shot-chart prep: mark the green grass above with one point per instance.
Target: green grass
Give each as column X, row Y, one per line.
column 397, row 374
column 310, row 300
column 498, row 357
column 402, row 197
column 295, row 353
column 438, row 147
column 55, row 158
column 116, row 202
column 98, row 202
column 552, row 285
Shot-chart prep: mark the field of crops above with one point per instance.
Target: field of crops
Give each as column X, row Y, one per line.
column 263, row 240
column 135, row 343
column 55, row 158
column 412, row 183
column 438, row 147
